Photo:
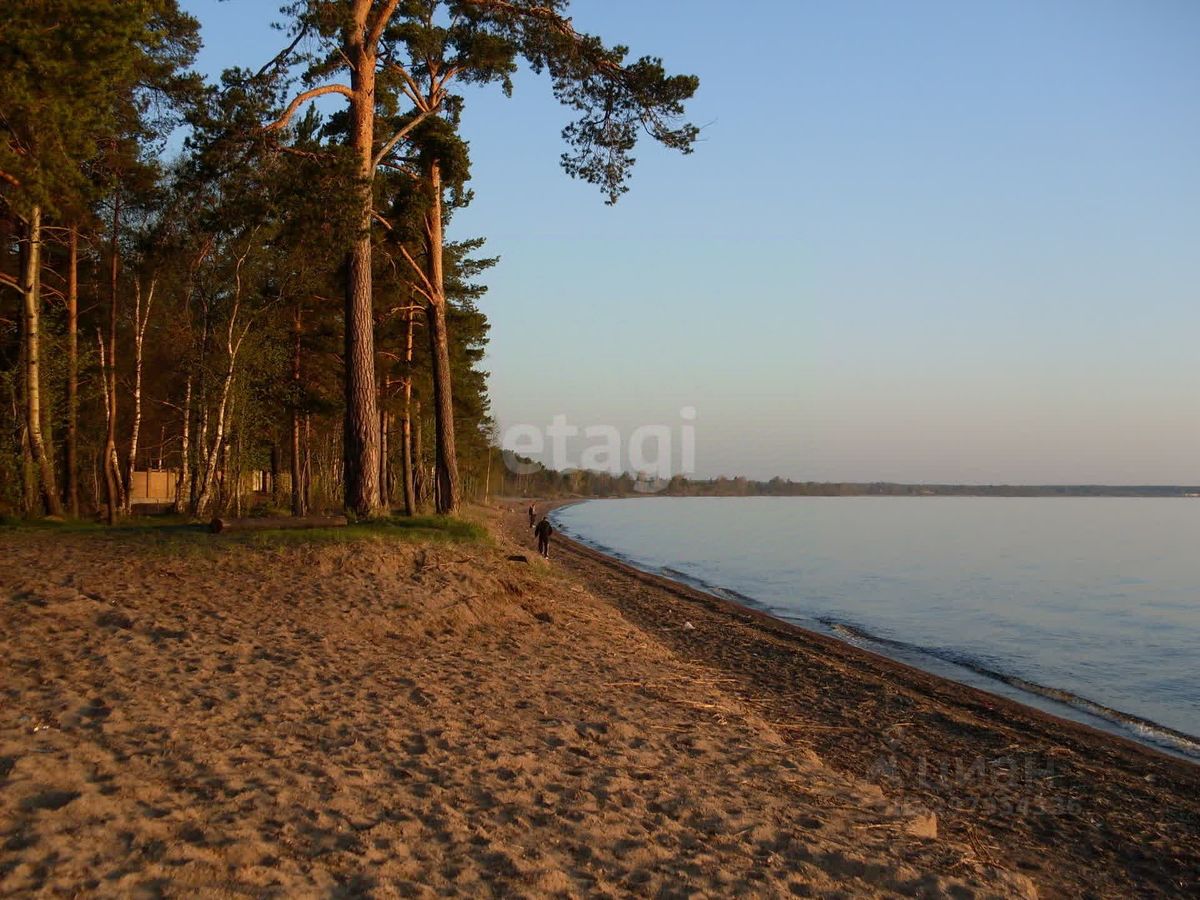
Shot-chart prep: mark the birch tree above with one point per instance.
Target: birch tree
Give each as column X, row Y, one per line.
column 236, row 328
column 77, row 79
column 31, row 288
column 141, row 318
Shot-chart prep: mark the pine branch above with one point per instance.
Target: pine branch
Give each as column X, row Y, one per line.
column 301, row 99
column 428, row 290
column 400, row 135
column 283, row 54
column 381, row 23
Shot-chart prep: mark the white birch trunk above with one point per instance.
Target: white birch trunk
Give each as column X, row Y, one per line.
column 140, row 321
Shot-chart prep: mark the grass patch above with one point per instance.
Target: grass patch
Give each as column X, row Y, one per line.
column 415, row 530
column 176, row 535
column 131, row 525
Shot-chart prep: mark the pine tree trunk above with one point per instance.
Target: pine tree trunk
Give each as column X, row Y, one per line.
column 274, row 473
column 406, row 435
column 299, row 501
column 29, row 479
column 420, row 488
column 439, row 344
column 299, row 507
column 307, row 462
column 95, row 480
column 410, row 493
column 445, row 453
column 32, row 290
column 361, row 436
column 72, row 462
column 385, row 498
column 111, row 492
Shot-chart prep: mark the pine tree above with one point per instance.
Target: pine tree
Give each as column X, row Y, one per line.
column 396, row 51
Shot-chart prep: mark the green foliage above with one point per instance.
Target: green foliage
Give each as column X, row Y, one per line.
column 481, row 42
column 80, row 77
column 417, row 529
column 616, row 101
column 244, row 235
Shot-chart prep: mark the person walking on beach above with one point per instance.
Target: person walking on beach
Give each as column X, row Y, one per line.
column 543, row 531
column 532, row 515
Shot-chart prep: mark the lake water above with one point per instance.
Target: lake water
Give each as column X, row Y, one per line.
column 1088, row 608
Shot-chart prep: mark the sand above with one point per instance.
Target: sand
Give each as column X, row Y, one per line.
column 205, row 718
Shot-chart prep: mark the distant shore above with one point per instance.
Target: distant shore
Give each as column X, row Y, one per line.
column 1078, row 808
column 550, row 483
column 728, row 489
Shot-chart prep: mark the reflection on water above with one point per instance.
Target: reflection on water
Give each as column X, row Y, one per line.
column 1090, row 602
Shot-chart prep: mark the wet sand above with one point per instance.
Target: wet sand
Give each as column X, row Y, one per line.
column 196, row 717
column 1082, row 812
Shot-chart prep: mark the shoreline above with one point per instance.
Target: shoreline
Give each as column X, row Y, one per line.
column 191, row 715
column 1109, row 813
column 1078, row 710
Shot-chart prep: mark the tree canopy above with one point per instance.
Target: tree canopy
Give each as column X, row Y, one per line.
column 187, row 328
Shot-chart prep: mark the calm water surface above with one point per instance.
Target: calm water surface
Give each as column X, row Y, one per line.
column 1086, row 607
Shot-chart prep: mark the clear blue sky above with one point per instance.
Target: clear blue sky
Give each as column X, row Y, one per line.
column 920, row 241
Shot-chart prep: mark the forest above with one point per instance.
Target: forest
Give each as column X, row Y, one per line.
column 219, row 298
column 527, row 477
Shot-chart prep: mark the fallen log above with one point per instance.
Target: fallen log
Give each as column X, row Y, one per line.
column 219, row 525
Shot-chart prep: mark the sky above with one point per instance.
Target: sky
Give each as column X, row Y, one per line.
column 929, row 241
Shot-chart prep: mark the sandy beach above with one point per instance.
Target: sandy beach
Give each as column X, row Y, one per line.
column 203, row 717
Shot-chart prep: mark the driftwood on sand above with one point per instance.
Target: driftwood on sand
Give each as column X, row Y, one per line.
column 271, row 523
